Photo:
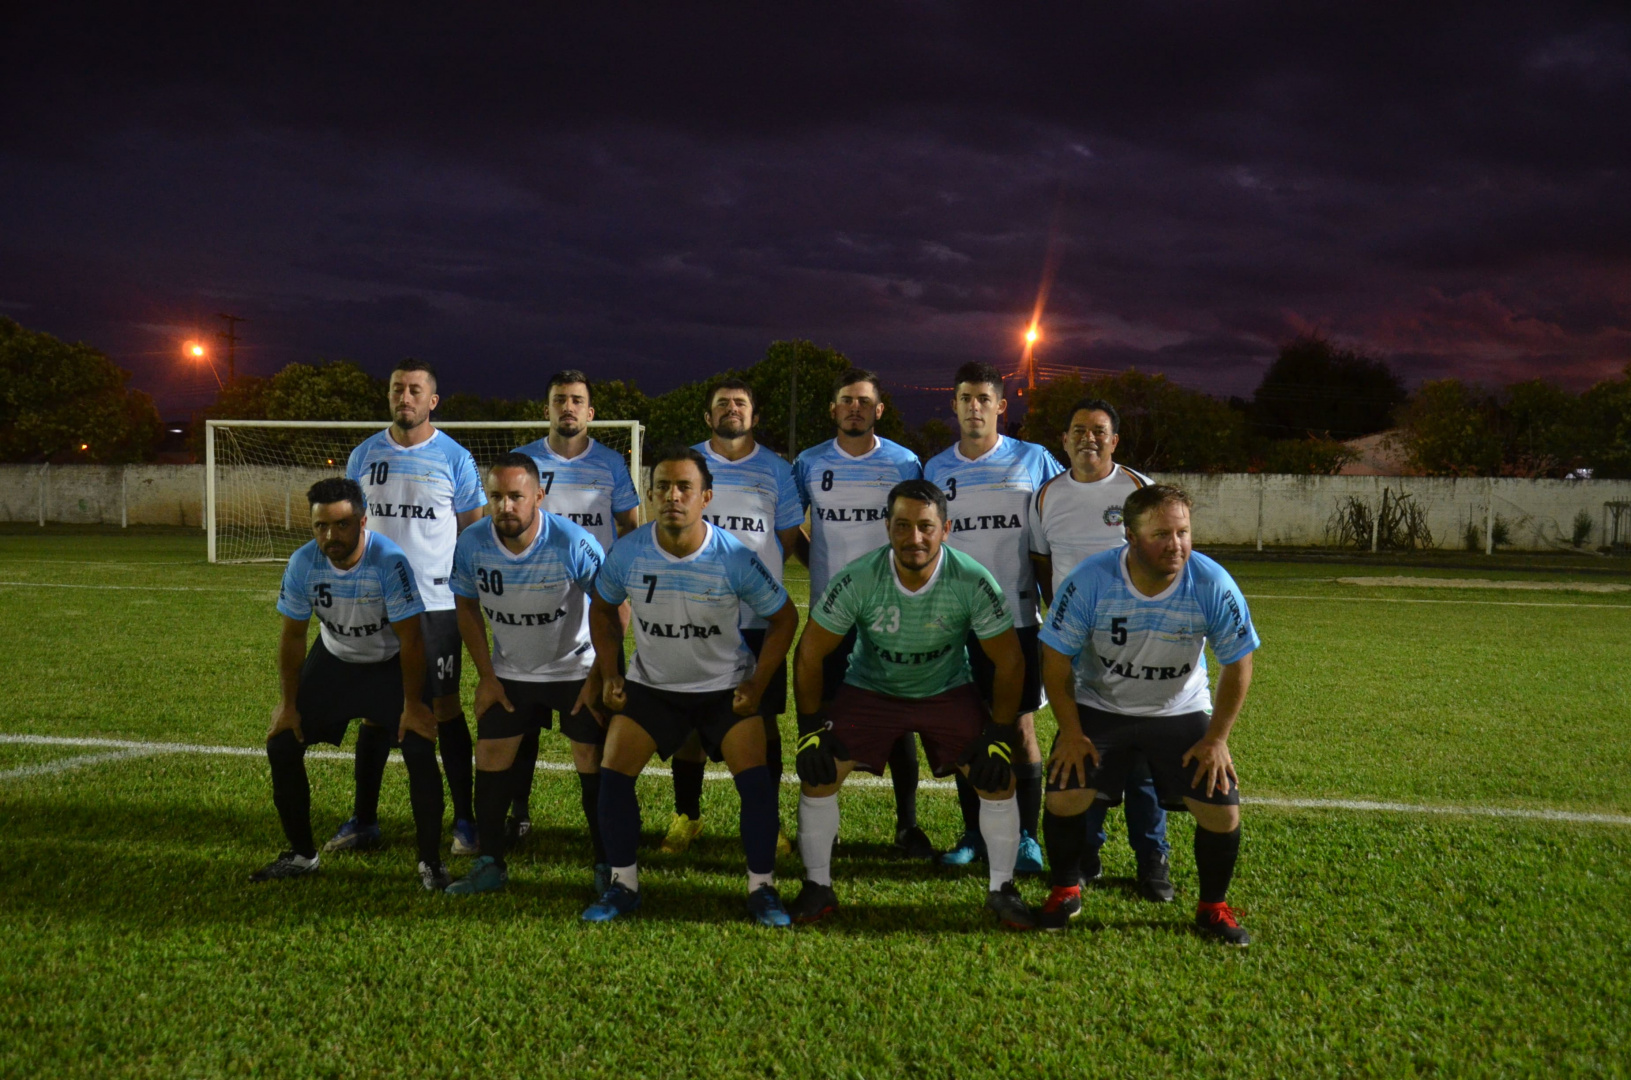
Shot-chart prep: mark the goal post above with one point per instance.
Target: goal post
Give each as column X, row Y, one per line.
column 256, row 472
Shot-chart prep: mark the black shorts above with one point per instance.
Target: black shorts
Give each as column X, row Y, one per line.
column 1162, row 741
column 835, row 666
column 669, row 716
column 774, row 701
column 334, row 692
column 985, row 673
column 535, row 703
column 444, row 653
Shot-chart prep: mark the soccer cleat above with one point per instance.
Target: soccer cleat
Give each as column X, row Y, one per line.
column 813, row 903
column 765, row 905
column 1092, row 869
column 603, row 877
column 516, row 829
column 784, row 846
column 969, row 846
column 1218, row 921
column 354, row 837
column 617, row 900
column 1009, row 907
column 1029, row 859
column 485, row 876
column 286, row 865
column 1153, row 883
column 681, row 831
column 913, row 843
column 434, row 878
column 1064, row 904
column 464, row 838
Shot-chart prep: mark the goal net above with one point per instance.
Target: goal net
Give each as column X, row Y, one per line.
column 257, row 472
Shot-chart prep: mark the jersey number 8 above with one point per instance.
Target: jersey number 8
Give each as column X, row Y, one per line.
column 826, row 480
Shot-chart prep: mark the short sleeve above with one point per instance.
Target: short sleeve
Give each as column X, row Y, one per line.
column 401, row 590
column 1229, row 627
column 1043, row 466
column 609, row 584
column 910, row 467
column 754, row 583
column 789, row 503
column 836, row 611
column 353, row 464
column 1070, row 620
column 586, row 560
column 624, row 497
column 988, row 613
column 291, row 595
column 463, row 581
column 467, row 493
column 799, row 484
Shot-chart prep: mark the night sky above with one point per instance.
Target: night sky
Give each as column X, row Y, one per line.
column 657, row 193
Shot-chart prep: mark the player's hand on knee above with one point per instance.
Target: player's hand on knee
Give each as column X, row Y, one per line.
column 589, row 698
column 990, row 766
column 1213, row 764
column 745, row 702
column 613, row 695
column 1069, row 758
column 490, row 692
column 417, row 718
column 285, row 717
column 816, row 761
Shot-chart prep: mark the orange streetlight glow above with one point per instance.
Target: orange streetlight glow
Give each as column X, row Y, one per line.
column 195, row 350
column 1031, row 335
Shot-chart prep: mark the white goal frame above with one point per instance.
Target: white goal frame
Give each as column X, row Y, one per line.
column 635, row 429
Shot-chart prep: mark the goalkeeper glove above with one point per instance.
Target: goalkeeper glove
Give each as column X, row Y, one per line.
column 990, row 759
column 818, row 750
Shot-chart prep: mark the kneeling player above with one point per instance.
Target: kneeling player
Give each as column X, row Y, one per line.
column 368, row 661
column 686, row 582
column 530, row 573
column 913, row 605
column 1134, row 622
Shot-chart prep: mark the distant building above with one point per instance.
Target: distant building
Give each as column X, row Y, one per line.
column 1381, row 454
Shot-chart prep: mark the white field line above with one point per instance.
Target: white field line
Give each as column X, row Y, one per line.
column 122, row 749
column 268, row 589
column 1411, row 600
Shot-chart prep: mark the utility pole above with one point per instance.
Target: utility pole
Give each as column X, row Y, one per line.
column 230, row 336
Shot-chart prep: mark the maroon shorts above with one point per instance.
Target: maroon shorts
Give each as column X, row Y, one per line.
column 869, row 724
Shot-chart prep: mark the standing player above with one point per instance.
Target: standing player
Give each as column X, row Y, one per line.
column 990, row 481
column 1123, row 656
column 368, row 661
column 845, row 483
column 914, row 604
column 687, row 582
column 1078, row 513
column 588, row 484
column 756, row 501
column 529, row 572
column 422, row 490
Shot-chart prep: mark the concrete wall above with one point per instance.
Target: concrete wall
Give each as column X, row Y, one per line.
column 1293, row 510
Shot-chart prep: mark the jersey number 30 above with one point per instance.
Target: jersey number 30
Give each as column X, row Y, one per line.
column 490, row 581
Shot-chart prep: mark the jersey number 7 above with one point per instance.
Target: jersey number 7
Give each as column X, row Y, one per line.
column 651, row 585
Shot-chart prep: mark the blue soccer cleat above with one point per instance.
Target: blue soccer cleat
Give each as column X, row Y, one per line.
column 464, row 838
column 969, row 846
column 765, row 905
column 1029, row 859
column 354, row 837
column 485, row 876
column 603, row 878
column 615, row 901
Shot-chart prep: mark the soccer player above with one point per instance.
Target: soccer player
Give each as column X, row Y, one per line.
column 588, row 484
column 1123, row 657
column 756, row 501
column 990, row 481
column 845, row 483
column 529, row 573
column 368, row 661
column 422, row 490
column 687, row 582
column 1078, row 513
column 913, row 604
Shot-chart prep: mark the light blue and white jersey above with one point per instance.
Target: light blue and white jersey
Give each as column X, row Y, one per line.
column 754, row 499
column 686, row 611
column 848, row 499
column 1146, row 655
column 537, row 602
column 355, row 608
column 989, row 499
column 415, row 494
column 1074, row 520
column 589, row 490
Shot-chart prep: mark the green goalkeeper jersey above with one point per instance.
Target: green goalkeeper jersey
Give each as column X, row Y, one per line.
column 912, row 644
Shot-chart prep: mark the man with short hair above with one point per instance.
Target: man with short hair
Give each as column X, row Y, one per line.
column 422, row 490
column 687, row 582
column 529, row 572
column 845, row 483
column 587, row 483
column 756, row 501
column 1078, row 513
column 368, row 661
column 1123, row 656
column 914, row 604
column 990, row 481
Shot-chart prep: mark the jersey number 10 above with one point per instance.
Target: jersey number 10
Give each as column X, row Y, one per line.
column 378, row 471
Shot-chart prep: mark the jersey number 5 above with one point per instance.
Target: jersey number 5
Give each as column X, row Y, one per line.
column 324, row 597
column 378, row 471
column 1118, row 631
column 651, row 585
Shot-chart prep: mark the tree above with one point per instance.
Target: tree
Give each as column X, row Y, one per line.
column 68, row 399
column 1164, row 427
column 1541, row 430
column 1605, row 419
column 930, row 437
column 1311, row 456
column 1314, row 388
column 1451, row 429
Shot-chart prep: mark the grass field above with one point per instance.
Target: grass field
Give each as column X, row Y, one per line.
column 1388, row 942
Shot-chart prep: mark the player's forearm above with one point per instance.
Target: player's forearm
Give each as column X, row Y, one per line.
column 801, row 548
column 1231, row 698
column 778, row 639
column 291, row 654
column 1006, row 689
column 627, row 521
column 412, row 656
column 807, row 677
column 1043, row 568
column 607, row 636
column 1060, row 682
column 473, row 632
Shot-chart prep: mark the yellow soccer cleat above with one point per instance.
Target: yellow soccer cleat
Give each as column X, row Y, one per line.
column 784, row 846
column 681, row 831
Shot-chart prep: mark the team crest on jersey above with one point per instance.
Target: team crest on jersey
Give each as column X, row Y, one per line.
column 1112, row 515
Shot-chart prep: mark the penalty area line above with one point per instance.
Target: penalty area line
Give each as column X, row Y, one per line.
column 126, row 749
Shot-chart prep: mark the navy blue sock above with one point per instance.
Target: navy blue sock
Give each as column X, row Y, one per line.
column 291, row 792
column 620, row 818
column 1028, row 790
column 424, row 795
column 758, row 818
column 368, row 772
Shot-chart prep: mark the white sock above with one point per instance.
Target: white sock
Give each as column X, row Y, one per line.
column 756, row 880
column 999, row 824
column 818, row 828
column 629, row 876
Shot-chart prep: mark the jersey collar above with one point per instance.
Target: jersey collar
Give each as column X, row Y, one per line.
column 707, row 538
column 367, row 539
column 934, row 575
column 1164, row 594
column 708, row 451
column 498, row 541
column 1115, row 471
column 436, row 433
column 550, row 450
column 877, row 444
column 958, row 450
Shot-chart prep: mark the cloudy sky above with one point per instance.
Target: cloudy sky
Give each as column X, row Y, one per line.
column 656, row 192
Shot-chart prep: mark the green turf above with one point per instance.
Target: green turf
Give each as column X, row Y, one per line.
column 1387, row 943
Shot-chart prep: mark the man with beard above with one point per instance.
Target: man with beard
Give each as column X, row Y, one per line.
column 422, row 490
column 529, row 573
column 368, row 661
column 845, row 483
column 588, row 484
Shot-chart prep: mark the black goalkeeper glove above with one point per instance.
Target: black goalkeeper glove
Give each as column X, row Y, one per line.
column 990, row 758
column 818, row 750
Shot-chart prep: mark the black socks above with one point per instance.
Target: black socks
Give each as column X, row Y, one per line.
column 1028, row 790
column 368, row 772
column 1215, row 855
column 589, row 788
column 903, row 775
column 526, row 765
column 458, row 758
column 1065, row 837
column 425, row 794
column 687, row 788
column 493, row 794
column 291, row 792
